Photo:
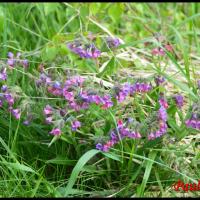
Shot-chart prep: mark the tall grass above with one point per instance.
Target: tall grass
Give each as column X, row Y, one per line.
column 34, row 164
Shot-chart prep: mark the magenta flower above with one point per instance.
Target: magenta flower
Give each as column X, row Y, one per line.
column 162, row 114
column 3, row 74
column 55, row 131
column 75, row 125
column 106, row 101
column 163, row 102
column 9, row 98
column 95, row 98
column 68, row 95
column 48, row 120
column 169, row 47
column 48, row 110
column 151, row 136
column 1, row 103
column 16, row 113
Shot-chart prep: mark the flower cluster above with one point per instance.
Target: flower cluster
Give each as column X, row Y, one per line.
column 8, row 97
column 162, row 120
column 3, row 74
column 123, row 131
column 84, row 50
column 12, row 60
column 160, row 52
column 121, row 92
column 179, row 100
column 159, row 80
column 112, row 42
column 48, row 112
column 194, row 121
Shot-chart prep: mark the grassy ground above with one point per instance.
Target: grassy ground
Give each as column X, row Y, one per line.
column 32, row 164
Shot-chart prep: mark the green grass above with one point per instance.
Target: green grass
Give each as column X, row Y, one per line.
column 35, row 164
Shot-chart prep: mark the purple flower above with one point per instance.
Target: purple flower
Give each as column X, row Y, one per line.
column 1, row 103
column 87, row 51
column 107, row 103
column 11, row 62
column 84, row 96
column 4, row 88
column 193, row 123
column 162, row 114
column 55, row 88
column 77, row 80
column 95, row 98
column 151, row 136
column 26, row 122
column 25, row 63
column 55, row 131
column 140, row 87
column 113, row 136
column 48, row 120
column 198, row 84
column 10, row 55
column 179, row 100
column 113, row 42
column 134, row 135
column 75, row 125
column 3, row 74
column 48, row 110
column 99, row 146
column 159, row 80
column 9, row 98
column 45, row 79
column 16, row 113
column 68, row 95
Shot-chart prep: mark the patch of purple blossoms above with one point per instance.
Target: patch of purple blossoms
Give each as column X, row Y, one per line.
column 84, row 51
column 179, row 100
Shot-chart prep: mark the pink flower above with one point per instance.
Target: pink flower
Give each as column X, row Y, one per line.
column 163, row 103
column 169, row 47
column 48, row 110
column 75, row 125
column 68, row 95
column 16, row 113
column 55, row 131
column 49, row 120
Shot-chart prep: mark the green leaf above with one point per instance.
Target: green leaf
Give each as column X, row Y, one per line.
column 94, row 8
column 108, row 69
column 2, row 18
column 84, row 11
column 50, row 53
column 61, row 160
column 18, row 166
column 50, row 7
column 77, row 169
column 115, row 11
column 149, row 164
column 112, row 156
